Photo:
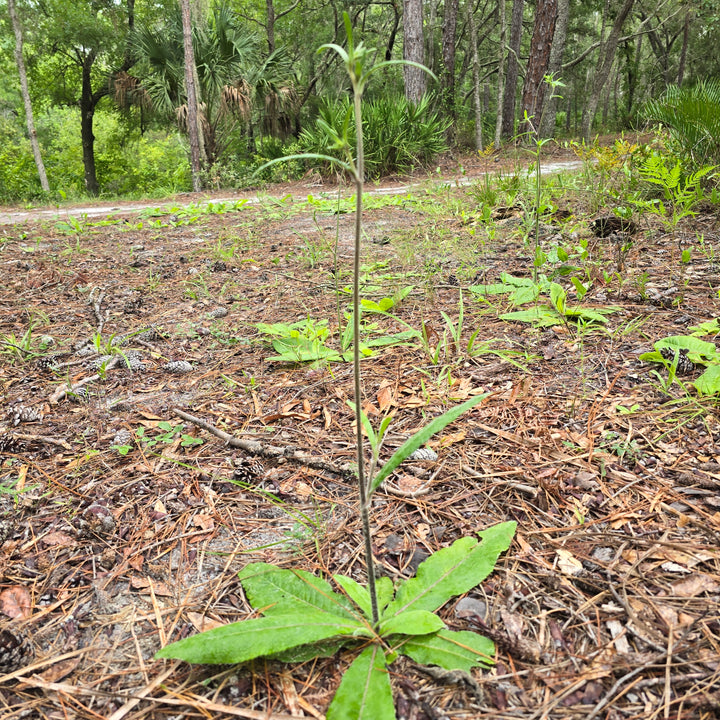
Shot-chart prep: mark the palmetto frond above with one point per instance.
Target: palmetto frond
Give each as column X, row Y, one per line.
column 692, row 116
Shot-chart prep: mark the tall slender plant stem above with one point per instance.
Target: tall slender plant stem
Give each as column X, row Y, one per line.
column 362, row 482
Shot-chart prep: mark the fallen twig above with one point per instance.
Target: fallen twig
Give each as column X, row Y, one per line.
column 62, row 391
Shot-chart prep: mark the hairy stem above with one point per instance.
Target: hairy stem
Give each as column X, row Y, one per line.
column 363, row 483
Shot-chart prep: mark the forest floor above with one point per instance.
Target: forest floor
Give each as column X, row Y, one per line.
column 124, row 522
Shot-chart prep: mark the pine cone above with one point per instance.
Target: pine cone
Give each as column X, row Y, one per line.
column 248, row 470
column 218, row 312
column 178, row 367
column 49, row 362
column 684, row 364
column 23, row 413
column 122, row 437
column 8, row 443
column 16, row 650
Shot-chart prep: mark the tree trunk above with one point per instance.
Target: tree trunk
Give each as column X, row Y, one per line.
column 393, row 31
column 413, row 50
column 477, row 106
column 192, row 105
column 270, row 27
column 500, row 73
column 606, row 57
column 447, row 80
column 87, row 114
column 513, row 66
column 534, row 86
column 547, row 121
column 430, row 34
column 683, row 51
column 26, row 97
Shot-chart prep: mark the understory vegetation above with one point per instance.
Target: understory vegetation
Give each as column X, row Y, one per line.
column 356, row 450
column 178, row 385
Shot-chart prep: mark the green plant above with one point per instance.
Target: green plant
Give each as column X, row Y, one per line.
column 692, row 117
column 555, row 312
column 20, row 349
column 698, row 352
column 168, row 436
column 398, row 135
column 681, row 192
column 303, row 616
column 534, row 138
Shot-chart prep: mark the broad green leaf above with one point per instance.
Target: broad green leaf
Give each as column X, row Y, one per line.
column 452, row 571
column 411, row 622
column 421, row 437
column 580, row 289
column 274, row 590
column 303, row 653
column 594, row 315
column 302, row 349
column 249, row 639
column 517, row 281
column 461, row 650
column 364, row 692
column 693, row 345
column 709, row 382
column 394, row 339
column 709, row 327
column 491, row 289
column 356, row 592
column 526, row 294
column 540, row 316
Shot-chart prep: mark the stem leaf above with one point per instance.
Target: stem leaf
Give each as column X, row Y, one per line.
column 421, row 437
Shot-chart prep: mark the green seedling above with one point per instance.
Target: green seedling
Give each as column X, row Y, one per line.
column 168, row 436
column 699, row 352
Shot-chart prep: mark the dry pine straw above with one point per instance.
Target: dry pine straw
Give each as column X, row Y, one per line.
column 605, row 606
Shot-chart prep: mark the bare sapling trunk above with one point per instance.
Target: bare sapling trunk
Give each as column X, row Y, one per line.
column 30, row 123
column 192, row 104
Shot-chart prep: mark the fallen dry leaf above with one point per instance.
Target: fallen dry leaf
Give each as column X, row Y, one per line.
column 204, row 521
column 60, row 670
column 59, row 539
column 568, row 563
column 385, row 398
column 201, row 622
column 695, row 585
column 15, row 602
column 142, row 583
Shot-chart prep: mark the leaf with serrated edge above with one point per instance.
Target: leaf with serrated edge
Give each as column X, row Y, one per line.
column 411, row 622
column 450, row 650
column 364, row 692
column 249, row 639
column 452, row 571
column 276, row 590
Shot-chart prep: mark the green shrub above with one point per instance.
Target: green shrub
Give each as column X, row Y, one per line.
column 398, row 135
column 692, row 117
column 18, row 175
